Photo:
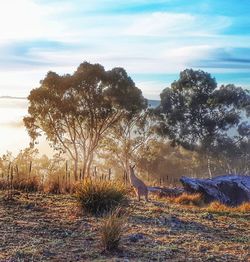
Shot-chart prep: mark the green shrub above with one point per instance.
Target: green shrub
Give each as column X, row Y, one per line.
column 100, row 197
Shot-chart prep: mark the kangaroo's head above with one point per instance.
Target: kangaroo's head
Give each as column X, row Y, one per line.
column 131, row 169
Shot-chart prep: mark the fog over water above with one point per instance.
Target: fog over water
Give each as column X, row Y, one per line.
column 13, row 135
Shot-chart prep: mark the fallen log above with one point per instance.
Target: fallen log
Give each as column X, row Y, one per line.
column 230, row 190
column 166, row 192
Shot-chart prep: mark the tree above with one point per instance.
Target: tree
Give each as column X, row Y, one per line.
column 126, row 138
column 196, row 114
column 159, row 161
column 76, row 111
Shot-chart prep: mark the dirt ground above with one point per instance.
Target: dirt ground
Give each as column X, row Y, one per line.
column 52, row 228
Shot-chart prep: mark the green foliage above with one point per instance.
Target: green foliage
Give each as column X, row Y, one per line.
column 125, row 140
column 197, row 115
column 159, row 160
column 99, row 197
column 76, row 111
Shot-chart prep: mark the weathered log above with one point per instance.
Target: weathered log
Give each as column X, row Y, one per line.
column 228, row 189
column 166, row 192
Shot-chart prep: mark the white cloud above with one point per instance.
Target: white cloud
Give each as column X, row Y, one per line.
column 25, row 19
column 156, row 42
column 176, row 24
column 152, row 89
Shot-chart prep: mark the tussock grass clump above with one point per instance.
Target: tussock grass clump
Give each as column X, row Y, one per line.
column 190, row 199
column 53, row 186
column 31, row 184
column 111, row 231
column 100, row 197
column 3, row 184
column 219, row 207
column 25, row 184
column 244, row 207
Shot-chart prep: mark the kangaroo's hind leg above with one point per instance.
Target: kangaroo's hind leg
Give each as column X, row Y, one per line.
column 138, row 196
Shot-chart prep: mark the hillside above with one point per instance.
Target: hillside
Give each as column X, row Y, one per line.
column 51, row 228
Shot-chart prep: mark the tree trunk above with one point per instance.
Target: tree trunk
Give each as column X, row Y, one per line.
column 76, row 169
column 89, row 163
column 84, row 167
column 209, row 167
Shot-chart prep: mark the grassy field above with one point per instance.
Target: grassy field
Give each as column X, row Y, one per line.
column 52, row 228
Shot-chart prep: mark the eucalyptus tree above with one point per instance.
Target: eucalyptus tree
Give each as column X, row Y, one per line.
column 198, row 115
column 76, row 111
column 127, row 137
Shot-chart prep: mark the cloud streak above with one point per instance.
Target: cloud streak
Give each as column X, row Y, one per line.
column 145, row 37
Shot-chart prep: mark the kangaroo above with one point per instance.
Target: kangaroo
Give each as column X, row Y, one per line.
column 138, row 185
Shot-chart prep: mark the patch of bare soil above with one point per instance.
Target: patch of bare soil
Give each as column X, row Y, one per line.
column 51, row 228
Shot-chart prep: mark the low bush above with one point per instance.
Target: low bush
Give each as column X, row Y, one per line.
column 100, row 197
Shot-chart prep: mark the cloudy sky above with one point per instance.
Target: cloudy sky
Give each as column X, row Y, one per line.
column 152, row 39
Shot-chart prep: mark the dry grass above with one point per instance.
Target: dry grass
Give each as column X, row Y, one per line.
column 22, row 183
column 100, row 197
column 218, row 207
column 54, row 187
column 3, row 184
column 111, row 231
column 189, row 199
column 49, row 227
column 31, row 184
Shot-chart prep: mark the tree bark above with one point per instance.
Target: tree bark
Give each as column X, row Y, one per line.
column 76, row 169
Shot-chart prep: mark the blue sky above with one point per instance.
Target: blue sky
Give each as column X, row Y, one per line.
column 152, row 40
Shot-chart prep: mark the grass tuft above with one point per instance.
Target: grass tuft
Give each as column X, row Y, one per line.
column 111, row 231
column 100, row 197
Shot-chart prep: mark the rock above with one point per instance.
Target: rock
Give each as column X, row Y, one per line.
column 202, row 249
column 136, row 237
column 48, row 253
column 175, row 222
column 208, row 216
column 172, row 221
column 230, row 190
column 29, row 206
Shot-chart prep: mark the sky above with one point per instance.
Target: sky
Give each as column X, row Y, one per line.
column 152, row 39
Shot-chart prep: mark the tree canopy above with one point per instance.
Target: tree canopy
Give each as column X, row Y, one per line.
column 75, row 111
column 198, row 115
